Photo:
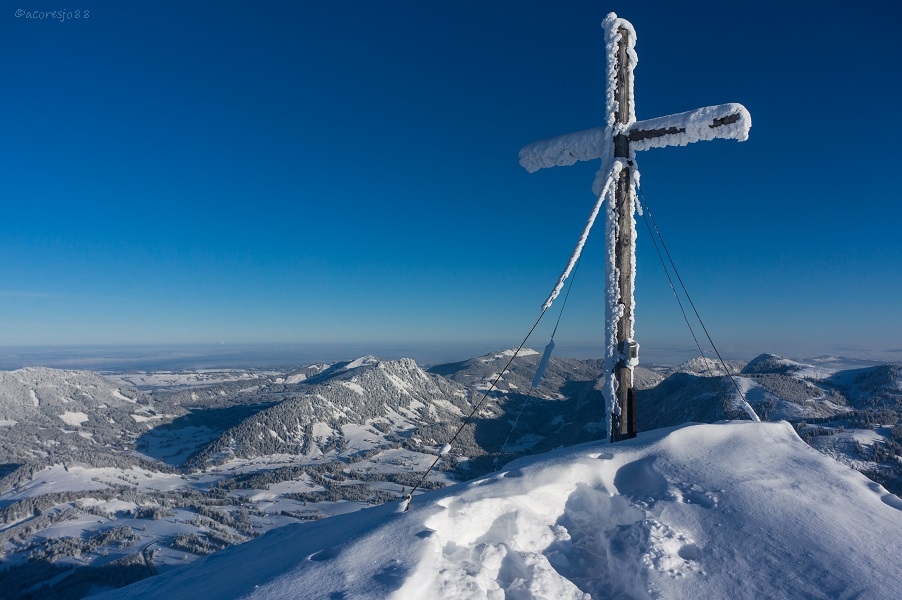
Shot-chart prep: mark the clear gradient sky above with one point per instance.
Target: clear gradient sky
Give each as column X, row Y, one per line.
column 346, row 172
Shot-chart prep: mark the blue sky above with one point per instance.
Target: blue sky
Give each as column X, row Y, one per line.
column 346, row 173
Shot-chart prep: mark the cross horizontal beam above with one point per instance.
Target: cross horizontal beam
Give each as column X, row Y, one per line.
column 725, row 121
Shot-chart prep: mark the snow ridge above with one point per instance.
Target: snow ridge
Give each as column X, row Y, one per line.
column 635, row 520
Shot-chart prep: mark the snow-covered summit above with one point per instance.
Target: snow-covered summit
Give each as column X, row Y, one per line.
column 707, row 367
column 771, row 363
column 363, row 360
column 730, row 510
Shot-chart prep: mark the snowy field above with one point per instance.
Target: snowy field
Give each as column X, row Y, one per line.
column 105, row 484
column 153, row 380
column 728, row 510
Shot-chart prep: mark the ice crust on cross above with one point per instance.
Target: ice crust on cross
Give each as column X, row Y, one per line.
column 728, row 121
column 589, row 144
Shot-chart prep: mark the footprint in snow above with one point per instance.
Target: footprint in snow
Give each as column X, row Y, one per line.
column 692, row 494
column 672, row 551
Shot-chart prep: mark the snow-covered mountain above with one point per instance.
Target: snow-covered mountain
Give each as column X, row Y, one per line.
column 46, row 412
column 562, row 377
column 775, row 387
column 184, row 464
column 366, row 398
column 732, row 510
column 479, row 373
column 878, row 387
column 706, row 367
column 37, row 392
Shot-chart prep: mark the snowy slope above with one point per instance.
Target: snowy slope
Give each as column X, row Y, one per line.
column 872, row 387
column 55, row 393
column 47, row 412
column 738, row 510
column 559, row 380
column 776, row 387
column 397, row 395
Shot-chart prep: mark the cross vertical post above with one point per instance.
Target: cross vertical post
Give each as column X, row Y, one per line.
column 623, row 422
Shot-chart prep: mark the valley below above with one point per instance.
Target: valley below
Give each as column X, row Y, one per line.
column 110, row 477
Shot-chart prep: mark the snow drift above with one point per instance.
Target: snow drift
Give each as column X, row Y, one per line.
column 738, row 509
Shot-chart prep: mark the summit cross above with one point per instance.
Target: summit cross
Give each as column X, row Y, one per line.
column 616, row 145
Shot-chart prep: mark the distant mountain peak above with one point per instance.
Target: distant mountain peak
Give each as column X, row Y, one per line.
column 707, row 367
column 772, row 363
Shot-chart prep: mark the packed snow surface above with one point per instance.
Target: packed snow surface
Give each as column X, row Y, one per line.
column 512, row 351
column 728, row 510
column 74, row 418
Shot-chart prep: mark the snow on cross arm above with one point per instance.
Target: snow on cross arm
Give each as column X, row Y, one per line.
column 723, row 121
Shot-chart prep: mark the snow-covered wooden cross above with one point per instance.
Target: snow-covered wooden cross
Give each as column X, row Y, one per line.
column 616, row 144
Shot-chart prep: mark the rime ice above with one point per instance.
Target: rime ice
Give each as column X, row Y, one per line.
column 616, row 144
